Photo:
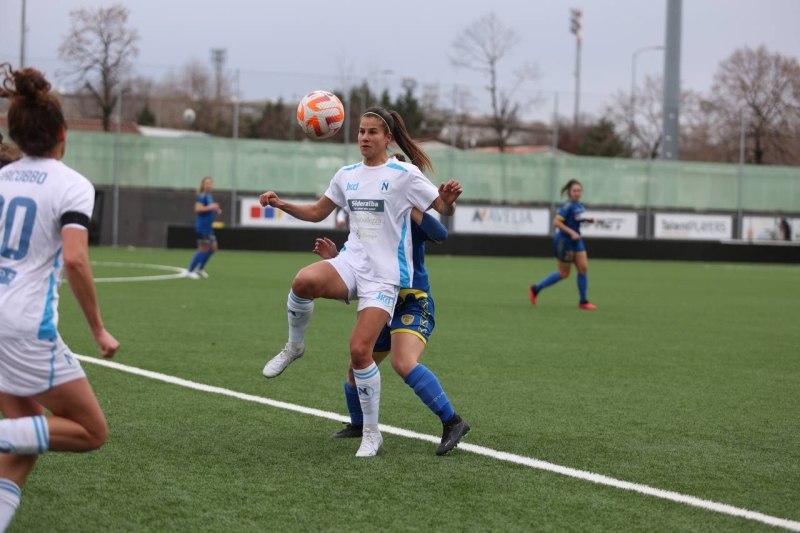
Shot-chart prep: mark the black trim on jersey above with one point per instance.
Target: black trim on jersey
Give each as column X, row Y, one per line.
column 73, row 217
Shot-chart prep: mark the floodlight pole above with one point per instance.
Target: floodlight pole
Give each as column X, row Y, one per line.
column 633, row 85
column 117, row 141
column 22, row 38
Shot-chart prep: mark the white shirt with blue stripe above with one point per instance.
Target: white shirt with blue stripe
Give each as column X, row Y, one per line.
column 378, row 201
column 34, row 194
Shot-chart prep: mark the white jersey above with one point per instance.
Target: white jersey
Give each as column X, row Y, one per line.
column 378, row 201
column 34, row 194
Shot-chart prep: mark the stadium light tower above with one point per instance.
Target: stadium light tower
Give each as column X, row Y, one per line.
column 672, row 81
column 218, row 56
column 22, row 39
column 575, row 27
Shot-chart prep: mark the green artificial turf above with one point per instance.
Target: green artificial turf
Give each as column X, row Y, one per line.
column 686, row 379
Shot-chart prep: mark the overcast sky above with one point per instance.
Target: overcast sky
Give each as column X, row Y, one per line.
column 288, row 48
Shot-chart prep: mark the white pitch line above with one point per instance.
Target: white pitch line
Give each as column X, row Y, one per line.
column 179, row 272
column 479, row 450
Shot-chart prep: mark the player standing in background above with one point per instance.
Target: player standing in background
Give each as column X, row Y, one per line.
column 568, row 245
column 379, row 194
column 8, row 154
column 45, row 208
column 406, row 338
column 207, row 210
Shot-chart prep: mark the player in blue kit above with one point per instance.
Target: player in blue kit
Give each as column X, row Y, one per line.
column 405, row 339
column 207, row 209
column 568, row 245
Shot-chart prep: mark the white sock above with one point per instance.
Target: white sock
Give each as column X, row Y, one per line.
column 9, row 501
column 24, row 436
column 299, row 311
column 368, row 384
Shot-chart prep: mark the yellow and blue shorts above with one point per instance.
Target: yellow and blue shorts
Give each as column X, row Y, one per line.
column 565, row 248
column 205, row 237
column 413, row 314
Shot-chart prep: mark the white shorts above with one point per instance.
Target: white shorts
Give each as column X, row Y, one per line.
column 32, row 366
column 369, row 293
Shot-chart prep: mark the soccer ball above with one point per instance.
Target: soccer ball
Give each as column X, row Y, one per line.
column 320, row 114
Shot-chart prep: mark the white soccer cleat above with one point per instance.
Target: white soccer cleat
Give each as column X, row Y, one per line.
column 202, row 273
column 371, row 443
column 192, row 275
column 278, row 364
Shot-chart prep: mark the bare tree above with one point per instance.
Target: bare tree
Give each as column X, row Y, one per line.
column 767, row 86
column 480, row 47
column 640, row 118
column 100, row 49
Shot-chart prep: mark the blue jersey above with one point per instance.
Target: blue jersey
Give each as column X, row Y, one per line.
column 205, row 220
column 571, row 215
column 431, row 230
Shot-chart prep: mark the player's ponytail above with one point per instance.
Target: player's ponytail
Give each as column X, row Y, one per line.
column 393, row 123
column 35, row 118
column 408, row 145
column 566, row 188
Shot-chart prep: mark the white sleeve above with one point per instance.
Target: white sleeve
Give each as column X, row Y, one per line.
column 421, row 191
column 334, row 191
column 78, row 198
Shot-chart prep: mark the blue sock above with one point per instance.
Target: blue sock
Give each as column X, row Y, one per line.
column 430, row 391
column 205, row 258
column 551, row 279
column 198, row 256
column 583, row 284
column 353, row 405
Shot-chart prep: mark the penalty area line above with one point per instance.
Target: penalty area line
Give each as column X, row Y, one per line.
column 472, row 448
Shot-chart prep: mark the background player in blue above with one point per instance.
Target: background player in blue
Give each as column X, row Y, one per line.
column 568, row 245
column 207, row 209
column 405, row 339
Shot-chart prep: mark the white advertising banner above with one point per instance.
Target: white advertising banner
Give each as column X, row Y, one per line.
column 611, row 224
column 501, row 220
column 252, row 214
column 771, row 229
column 693, row 227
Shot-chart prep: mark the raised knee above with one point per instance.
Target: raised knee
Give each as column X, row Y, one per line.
column 564, row 275
column 303, row 285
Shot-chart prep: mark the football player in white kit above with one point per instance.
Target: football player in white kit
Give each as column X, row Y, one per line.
column 378, row 195
column 45, row 208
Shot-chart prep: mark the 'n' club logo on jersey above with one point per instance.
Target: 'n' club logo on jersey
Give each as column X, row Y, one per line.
column 385, row 187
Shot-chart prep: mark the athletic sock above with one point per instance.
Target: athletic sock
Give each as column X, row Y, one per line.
column 24, row 436
column 430, row 391
column 10, row 496
column 368, row 384
column 198, row 256
column 353, row 405
column 299, row 311
column 583, row 284
column 204, row 259
column 551, row 279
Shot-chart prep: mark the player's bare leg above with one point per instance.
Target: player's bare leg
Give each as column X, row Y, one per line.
column 367, row 376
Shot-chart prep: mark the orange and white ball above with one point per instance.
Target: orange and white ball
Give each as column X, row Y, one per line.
column 320, row 114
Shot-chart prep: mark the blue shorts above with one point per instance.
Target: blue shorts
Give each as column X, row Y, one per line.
column 205, row 237
column 413, row 314
column 564, row 248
